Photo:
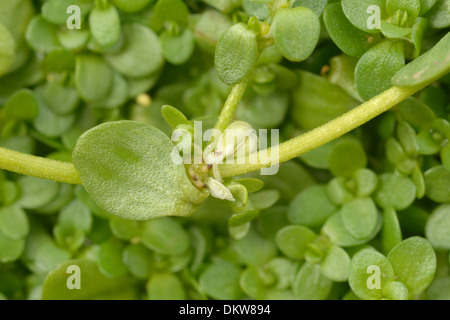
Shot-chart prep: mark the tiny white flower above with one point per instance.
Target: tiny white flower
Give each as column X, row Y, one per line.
column 218, row 190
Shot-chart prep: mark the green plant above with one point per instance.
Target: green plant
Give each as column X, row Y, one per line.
column 126, row 189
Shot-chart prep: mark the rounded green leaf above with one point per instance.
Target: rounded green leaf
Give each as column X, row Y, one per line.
column 438, row 226
column 236, row 54
column 177, row 49
column 395, row 190
column 14, row 222
column 395, row 290
column 369, row 273
column 414, row 263
column 366, row 181
column 363, row 13
column 431, row 65
column 172, row 11
column 346, row 36
column 437, row 184
column 311, row 207
column 165, row 236
column 141, row 54
column 55, row 11
column 411, row 7
column 335, row 229
column 10, row 249
column 253, row 250
column 220, row 280
column 445, row 156
column 439, row 289
column 104, row 24
column 118, row 94
column 315, row 5
column 36, row 192
column 316, row 101
column 360, row 217
column 310, row 284
column 76, row 215
column 338, row 190
column 391, row 233
column 7, row 49
column 93, row 78
column 110, row 259
column 336, row 264
column 296, row 32
column 377, row 66
column 41, row 35
column 252, row 284
column 22, row 105
column 165, row 286
column 61, row 99
column 346, row 157
column 94, row 285
column 127, row 169
column 137, row 259
column 293, row 241
column 131, row 6
column 439, row 16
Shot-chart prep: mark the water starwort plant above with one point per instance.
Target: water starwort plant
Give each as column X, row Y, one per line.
column 225, row 149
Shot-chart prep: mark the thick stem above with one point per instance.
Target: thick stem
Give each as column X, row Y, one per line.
column 327, row 132
column 230, row 106
column 38, row 167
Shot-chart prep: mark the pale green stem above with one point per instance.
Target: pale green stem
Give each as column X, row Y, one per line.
column 230, row 106
column 327, row 132
column 38, row 167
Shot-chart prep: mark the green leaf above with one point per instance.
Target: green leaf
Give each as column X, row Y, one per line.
column 41, row 35
column 377, row 66
column 430, row 66
column 396, row 191
column 347, row 37
column 76, row 215
column 110, row 259
column 411, row 7
column 391, row 233
column 236, row 54
column 360, row 15
column 177, row 49
column 438, row 16
column 414, row 263
column 10, row 249
column 141, row 54
column 36, row 192
column 439, row 289
column 338, row 190
column 107, row 158
column 165, row 236
column 241, row 218
column 55, row 11
column 251, row 184
column 14, row 222
column 75, row 40
column 93, row 78
column 369, row 273
column 264, row 199
column 296, row 32
column 252, row 284
column 360, row 217
column 22, row 105
column 437, row 184
column 391, row 31
column 293, row 241
column 311, row 207
column 316, row 101
column 256, row 9
column 407, row 137
column 174, row 117
column 220, row 280
column 346, row 157
column 7, row 49
column 416, row 113
column 315, row 5
column 253, row 250
column 335, row 229
column 94, row 285
column 104, row 24
column 395, row 290
column 131, row 6
column 366, row 182
column 118, row 94
column 68, row 237
column 335, row 264
column 445, row 156
column 437, row 227
column 426, row 5
column 165, row 286
column 271, row 220
column 284, row 270
column 310, row 284
column 61, row 99
column 169, row 11
column 137, row 259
